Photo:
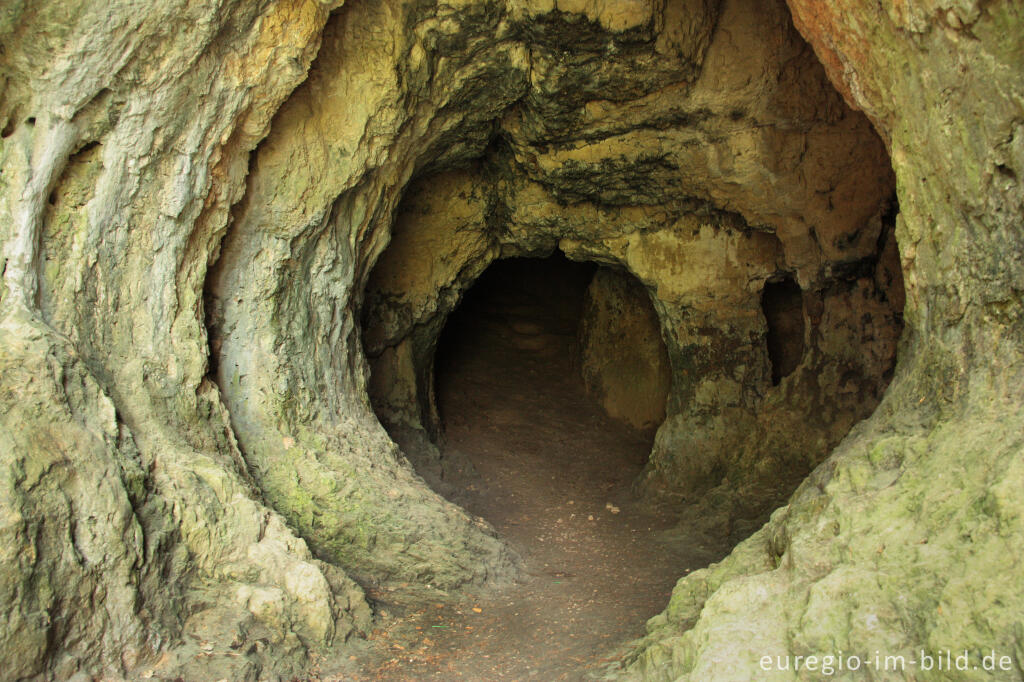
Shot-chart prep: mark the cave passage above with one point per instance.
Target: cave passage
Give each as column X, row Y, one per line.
column 552, row 472
column 511, row 397
column 518, row 326
column 511, row 361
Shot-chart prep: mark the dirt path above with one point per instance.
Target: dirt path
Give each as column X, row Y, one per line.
column 553, row 477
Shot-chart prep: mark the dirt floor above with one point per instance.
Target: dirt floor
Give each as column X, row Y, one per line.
column 552, row 474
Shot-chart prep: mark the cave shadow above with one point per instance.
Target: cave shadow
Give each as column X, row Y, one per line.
column 517, row 327
column 508, row 369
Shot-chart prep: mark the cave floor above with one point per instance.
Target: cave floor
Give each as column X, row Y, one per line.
column 552, row 473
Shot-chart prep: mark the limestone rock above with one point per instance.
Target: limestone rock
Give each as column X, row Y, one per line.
column 126, row 502
column 624, row 361
column 916, row 493
column 193, row 198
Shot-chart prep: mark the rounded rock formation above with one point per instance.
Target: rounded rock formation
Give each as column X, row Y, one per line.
column 215, row 218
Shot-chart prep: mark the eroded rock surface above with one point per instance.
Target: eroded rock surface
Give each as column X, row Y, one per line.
column 194, row 197
column 623, row 358
column 728, row 162
column 899, row 541
column 134, row 536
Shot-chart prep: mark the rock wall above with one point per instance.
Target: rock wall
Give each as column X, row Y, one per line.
column 622, row 357
column 899, row 542
column 192, row 199
column 134, row 538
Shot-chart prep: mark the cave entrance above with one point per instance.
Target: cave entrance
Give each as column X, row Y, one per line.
column 547, row 351
column 513, row 340
column 528, row 377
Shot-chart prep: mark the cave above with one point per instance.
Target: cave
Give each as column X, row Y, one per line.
column 782, row 302
column 545, row 344
column 519, row 321
column 252, row 262
column 543, row 324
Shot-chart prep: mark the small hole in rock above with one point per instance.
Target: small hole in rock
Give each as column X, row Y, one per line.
column 782, row 303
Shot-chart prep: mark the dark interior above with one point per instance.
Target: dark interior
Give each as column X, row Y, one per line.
column 523, row 315
column 782, row 303
column 530, row 450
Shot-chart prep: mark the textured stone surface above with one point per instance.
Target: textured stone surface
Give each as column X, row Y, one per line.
column 285, row 291
column 623, row 359
column 127, row 510
column 900, row 542
column 201, row 507
column 712, row 176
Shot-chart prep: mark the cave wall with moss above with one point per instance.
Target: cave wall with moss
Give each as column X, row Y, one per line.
column 901, row 541
column 193, row 198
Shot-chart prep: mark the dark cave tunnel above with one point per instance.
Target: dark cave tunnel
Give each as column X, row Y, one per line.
column 540, row 353
column 539, row 341
column 518, row 325
column 527, row 384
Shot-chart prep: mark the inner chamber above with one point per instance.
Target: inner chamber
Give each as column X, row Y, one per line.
column 539, row 353
column 516, row 411
column 552, row 330
column 536, row 372
column 513, row 339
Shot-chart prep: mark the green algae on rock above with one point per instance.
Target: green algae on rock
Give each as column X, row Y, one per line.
column 227, row 228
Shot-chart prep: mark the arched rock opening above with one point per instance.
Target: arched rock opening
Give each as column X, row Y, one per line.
column 698, row 145
column 701, row 174
column 730, row 426
column 546, row 320
column 521, row 318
